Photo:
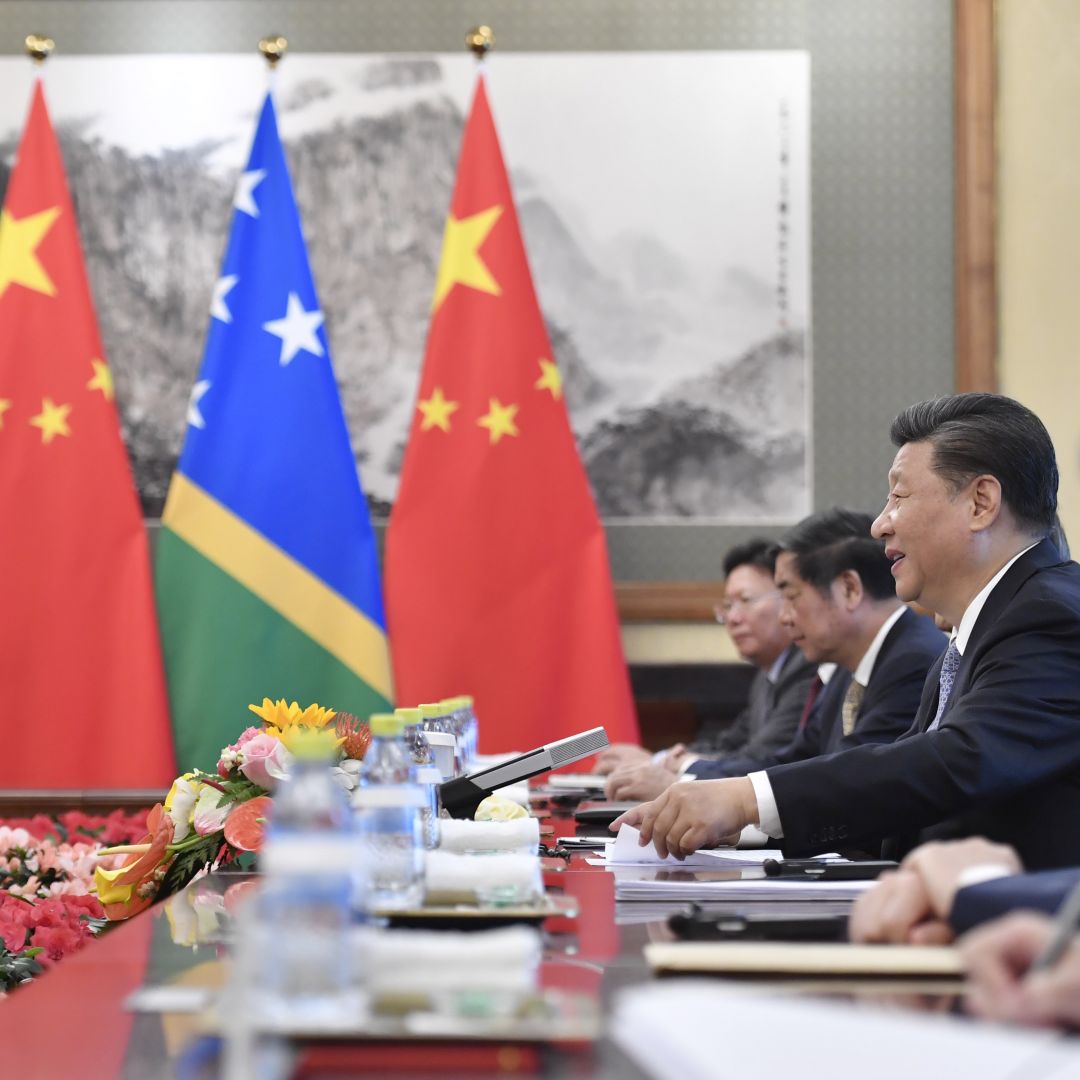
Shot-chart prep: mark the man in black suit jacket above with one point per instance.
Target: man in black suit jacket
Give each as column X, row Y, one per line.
column 845, row 612
column 995, row 747
column 944, row 889
column 751, row 613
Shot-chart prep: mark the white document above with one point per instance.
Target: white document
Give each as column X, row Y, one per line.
column 745, row 889
column 666, row 1028
column 576, row 781
column 627, row 850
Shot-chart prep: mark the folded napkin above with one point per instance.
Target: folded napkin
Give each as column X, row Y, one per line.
column 452, row 878
column 521, row 835
column 422, row 962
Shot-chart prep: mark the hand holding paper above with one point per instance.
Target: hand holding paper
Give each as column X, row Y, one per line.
column 704, row 813
column 627, row 850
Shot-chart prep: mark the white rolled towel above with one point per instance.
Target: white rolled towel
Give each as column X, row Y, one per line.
column 430, row 961
column 520, row 835
column 503, row 877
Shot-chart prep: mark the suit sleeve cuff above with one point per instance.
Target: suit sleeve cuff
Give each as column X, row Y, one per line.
column 687, row 762
column 768, row 814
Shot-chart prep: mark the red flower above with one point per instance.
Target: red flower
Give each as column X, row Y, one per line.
column 144, row 871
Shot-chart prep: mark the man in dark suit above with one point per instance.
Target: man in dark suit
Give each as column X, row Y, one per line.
column 995, row 746
column 946, row 888
column 842, row 609
column 751, row 613
column 942, row 889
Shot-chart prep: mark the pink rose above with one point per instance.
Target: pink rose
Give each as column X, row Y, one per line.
column 264, row 760
column 246, row 736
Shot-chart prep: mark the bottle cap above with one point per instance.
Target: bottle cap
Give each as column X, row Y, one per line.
column 432, row 710
column 410, row 716
column 386, row 725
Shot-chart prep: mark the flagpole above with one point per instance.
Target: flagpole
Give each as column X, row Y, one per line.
column 38, row 48
column 480, row 40
column 273, row 49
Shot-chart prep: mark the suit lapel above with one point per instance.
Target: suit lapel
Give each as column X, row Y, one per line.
column 1043, row 555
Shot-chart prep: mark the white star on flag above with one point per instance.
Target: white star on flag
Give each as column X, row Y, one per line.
column 218, row 308
column 194, row 416
column 244, row 199
column 296, row 330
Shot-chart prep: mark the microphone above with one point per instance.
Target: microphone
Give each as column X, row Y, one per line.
column 461, row 797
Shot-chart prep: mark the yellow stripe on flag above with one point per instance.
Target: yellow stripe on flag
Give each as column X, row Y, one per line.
column 280, row 581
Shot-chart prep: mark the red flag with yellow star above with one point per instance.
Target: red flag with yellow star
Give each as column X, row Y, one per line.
column 80, row 662
column 497, row 577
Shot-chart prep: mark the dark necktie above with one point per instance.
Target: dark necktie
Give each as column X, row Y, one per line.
column 811, row 696
column 949, row 665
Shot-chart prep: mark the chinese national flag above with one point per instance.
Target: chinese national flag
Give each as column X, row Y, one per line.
column 497, row 577
column 80, row 663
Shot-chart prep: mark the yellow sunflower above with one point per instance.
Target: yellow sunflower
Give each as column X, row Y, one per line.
column 292, row 725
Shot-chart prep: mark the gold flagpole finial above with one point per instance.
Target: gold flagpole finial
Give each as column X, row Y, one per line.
column 38, row 47
column 480, row 41
column 273, row 49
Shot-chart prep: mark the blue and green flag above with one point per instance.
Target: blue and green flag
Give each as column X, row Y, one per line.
column 267, row 575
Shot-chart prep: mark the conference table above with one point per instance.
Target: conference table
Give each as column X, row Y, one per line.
column 72, row 1021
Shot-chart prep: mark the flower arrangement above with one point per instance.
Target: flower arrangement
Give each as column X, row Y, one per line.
column 47, row 867
column 209, row 819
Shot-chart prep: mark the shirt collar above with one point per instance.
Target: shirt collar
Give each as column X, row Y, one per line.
column 974, row 609
column 866, row 665
column 773, row 674
column 825, row 672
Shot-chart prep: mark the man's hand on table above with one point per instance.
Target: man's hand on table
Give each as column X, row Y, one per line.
column 702, row 813
column 911, row 905
column 1001, row 985
column 639, row 782
column 620, row 756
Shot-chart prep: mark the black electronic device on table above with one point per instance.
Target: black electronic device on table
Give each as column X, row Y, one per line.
column 602, row 813
column 701, row 925
column 462, row 795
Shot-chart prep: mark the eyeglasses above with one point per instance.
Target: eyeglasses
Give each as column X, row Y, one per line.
column 723, row 611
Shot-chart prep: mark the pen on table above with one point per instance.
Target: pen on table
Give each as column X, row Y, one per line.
column 1066, row 924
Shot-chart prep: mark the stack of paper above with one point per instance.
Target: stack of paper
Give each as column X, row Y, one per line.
column 757, row 889
column 673, row 1030
column 643, row 911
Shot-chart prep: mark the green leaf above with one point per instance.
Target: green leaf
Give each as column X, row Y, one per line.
column 188, row 863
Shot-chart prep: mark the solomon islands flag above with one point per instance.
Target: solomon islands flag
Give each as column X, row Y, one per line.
column 266, row 570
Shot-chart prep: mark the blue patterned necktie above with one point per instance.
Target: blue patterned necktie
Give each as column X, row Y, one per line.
column 948, row 673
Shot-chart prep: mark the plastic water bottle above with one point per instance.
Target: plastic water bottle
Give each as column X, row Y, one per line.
column 309, row 863
column 387, row 807
column 472, row 728
column 437, row 721
column 463, row 724
column 427, row 775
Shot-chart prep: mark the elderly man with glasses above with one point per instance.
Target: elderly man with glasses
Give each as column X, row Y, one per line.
column 751, row 613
